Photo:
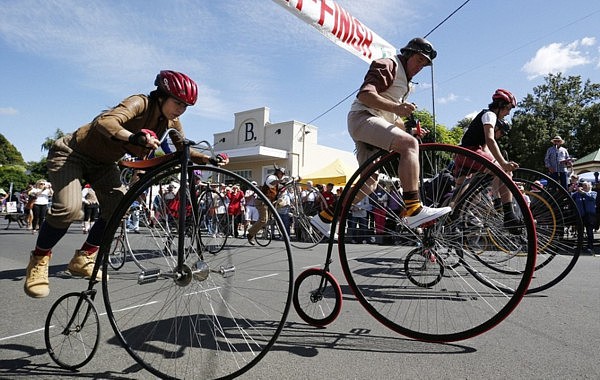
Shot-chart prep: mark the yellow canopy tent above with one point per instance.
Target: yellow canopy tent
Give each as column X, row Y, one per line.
column 337, row 172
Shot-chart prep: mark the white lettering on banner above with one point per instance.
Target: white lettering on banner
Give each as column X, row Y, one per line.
column 343, row 29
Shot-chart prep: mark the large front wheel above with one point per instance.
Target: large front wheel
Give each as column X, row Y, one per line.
column 179, row 309
column 430, row 282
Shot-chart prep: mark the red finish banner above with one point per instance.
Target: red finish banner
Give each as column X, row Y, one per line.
column 339, row 26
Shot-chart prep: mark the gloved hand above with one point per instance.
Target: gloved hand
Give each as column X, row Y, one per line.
column 142, row 137
column 219, row 159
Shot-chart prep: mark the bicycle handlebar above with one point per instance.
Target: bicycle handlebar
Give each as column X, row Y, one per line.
column 202, row 145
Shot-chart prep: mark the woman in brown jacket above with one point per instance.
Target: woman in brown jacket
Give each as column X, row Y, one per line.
column 90, row 154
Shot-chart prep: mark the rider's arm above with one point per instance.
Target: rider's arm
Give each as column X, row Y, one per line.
column 490, row 141
column 379, row 78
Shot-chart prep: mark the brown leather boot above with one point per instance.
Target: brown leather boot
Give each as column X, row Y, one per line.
column 82, row 264
column 36, row 276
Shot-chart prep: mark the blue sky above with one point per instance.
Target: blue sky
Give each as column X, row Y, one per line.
column 64, row 61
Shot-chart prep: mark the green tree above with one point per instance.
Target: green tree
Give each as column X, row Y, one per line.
column 47, row 144
column 562, row 106
column 37, row 170
column 14, row 174
column 438, row 134
column 9, row 155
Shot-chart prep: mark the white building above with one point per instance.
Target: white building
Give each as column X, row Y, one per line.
column 255, row 145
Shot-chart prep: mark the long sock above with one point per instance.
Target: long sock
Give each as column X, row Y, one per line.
column 412, row 203
column 89, row 248
column 497, row 204
column 509, row 214
column 96, row 231
column 42, row 251
column 48, row 237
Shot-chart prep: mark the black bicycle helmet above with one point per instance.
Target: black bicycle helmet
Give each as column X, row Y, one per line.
column 279, row 169
column 421, row 46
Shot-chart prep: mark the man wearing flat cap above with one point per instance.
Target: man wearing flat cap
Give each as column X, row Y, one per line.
column 558, row 161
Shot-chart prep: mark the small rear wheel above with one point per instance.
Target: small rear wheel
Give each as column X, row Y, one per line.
column 118, row 253
column 265, row 235
column 72, row 331
column 423, row 268
column 317, row 297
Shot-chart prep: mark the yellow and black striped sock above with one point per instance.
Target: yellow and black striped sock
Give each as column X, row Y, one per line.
column 412, row 203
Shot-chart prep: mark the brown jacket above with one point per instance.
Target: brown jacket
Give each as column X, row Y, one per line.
column 137, row 112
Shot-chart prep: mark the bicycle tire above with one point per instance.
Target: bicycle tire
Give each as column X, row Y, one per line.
column 305, row 236
column 555, row 213
column 264, row 235
column 317, row 297
column 423, row 268
column 219, row 315
column 72, row 331
column 471, row 298
column 118, row 254
column 213, row 235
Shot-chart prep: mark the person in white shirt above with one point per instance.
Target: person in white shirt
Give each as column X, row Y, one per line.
column 42, row 191
column 251, row 212
column 270, row 189
column 558, row 161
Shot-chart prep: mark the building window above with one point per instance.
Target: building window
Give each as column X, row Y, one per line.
column 244, row 173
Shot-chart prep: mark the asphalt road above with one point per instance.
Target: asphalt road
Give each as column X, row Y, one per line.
column 551, row 335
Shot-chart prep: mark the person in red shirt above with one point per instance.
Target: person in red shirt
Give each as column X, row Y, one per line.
column 329, row 196
column 235, row 208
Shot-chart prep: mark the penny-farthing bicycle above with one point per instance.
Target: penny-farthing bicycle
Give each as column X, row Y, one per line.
column 427, row 283
column 179, row 310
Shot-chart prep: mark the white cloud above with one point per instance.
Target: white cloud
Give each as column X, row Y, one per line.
column 9, row 111
column 558, row 58
column 588, row 41
column 450, row 98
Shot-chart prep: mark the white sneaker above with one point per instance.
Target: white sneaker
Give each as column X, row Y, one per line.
column 322, row 226
column 426, row 214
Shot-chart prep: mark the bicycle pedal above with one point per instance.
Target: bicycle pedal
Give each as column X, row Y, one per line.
column 148, row 276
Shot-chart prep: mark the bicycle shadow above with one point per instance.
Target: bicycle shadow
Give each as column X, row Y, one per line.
column 19, row 274
column 25, row 366
column 304, row 340
column 296, row 338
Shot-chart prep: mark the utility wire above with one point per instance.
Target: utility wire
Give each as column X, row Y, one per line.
column 330, row 109
column 446, row 19
column 432, row 76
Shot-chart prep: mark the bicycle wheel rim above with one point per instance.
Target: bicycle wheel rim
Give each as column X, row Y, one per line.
column 75, row 348
column 305, row 236
column 469, row 300
column 559, row 229
column 219, row 318
column 317, row 297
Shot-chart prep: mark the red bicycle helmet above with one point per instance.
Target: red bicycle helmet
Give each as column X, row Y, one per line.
column 178, row 85
column 505, row 95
